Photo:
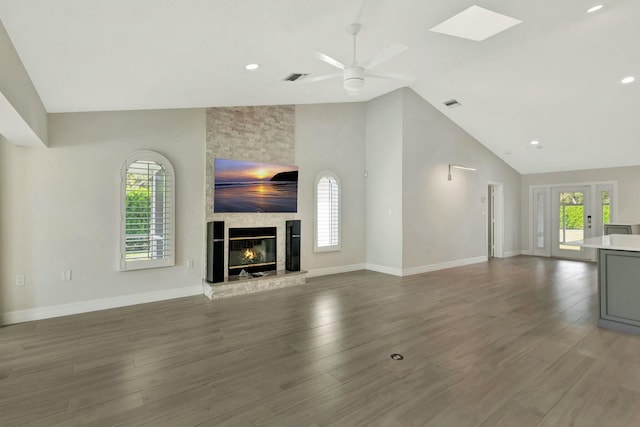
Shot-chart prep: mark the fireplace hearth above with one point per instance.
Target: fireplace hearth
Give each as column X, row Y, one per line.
column 252, row 251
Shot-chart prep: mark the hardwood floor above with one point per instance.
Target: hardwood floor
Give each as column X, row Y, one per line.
column 507, row 343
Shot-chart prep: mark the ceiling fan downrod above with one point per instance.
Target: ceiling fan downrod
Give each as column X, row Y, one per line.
column 354, row 29
column 353, row 76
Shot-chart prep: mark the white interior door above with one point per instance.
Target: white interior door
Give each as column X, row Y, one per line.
column 491, row 224
column 541, row 215
column 572, row 219
column 495, row 220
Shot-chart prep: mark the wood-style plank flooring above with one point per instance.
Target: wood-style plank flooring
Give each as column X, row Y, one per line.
column 510, row 342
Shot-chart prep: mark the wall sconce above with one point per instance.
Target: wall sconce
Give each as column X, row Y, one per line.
column 463, row 167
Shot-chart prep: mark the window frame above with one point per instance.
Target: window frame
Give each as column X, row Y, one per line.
column 149, row 156
column 319, row 177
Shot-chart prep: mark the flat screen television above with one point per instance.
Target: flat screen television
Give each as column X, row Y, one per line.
column 241, row 186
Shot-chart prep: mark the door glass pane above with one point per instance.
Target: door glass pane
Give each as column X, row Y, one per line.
column 540, row 220
column 571, row 219
column 605, row 198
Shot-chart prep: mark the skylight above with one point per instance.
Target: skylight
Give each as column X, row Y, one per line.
column 475, row 23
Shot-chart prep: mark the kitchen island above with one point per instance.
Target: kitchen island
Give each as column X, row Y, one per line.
column 618, row 281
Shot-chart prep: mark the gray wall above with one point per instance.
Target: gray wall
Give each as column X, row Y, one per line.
column 443, row 220
column 5, row 188
column 384, row 183
column 416, row 219
column 331, row 137
column 61, row 209
column 23, row 113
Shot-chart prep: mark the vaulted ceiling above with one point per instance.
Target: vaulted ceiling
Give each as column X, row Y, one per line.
column 555, row 77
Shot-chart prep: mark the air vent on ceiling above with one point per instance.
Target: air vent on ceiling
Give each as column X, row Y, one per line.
column 452, row 103
column 294, row 76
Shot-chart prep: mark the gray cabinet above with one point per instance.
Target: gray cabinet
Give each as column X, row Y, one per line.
column 619, row 288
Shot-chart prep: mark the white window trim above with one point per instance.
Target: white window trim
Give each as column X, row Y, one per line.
column 332, row 248
column 166, row 164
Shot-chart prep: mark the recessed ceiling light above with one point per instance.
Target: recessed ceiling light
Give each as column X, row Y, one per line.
column 628, row 80
column 535, row 142
column 594, row 8
column 252, row 67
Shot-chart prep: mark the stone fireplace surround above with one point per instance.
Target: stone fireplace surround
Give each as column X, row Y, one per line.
column 261, row 134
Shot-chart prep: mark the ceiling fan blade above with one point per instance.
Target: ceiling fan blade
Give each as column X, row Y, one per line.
column 329, row 60
column 384, row 55
column 317, row 78
column 388, row 76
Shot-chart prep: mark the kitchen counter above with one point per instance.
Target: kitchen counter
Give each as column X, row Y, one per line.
column 618, row 281
column 618, row 242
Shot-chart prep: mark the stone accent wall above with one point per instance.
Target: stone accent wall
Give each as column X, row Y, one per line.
column 258, row 134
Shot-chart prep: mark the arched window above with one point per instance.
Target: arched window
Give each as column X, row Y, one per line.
column 147, row 225
column 327, row 226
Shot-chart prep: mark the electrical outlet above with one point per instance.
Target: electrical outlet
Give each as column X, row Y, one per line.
column 66, row 274
column 19, row 279
column 190, row 263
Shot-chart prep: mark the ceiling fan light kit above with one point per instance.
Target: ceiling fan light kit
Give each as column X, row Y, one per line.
column 353, row 79
column 354, row 75
column 354, row 29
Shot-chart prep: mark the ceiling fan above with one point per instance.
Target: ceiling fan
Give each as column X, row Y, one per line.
column 353, row 75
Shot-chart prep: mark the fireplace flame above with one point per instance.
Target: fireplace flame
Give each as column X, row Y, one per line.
column 249, row 254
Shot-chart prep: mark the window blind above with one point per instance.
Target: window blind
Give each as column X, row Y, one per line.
column 148, row 222
column 327, row 212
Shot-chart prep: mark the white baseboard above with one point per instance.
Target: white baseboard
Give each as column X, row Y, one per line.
column 526, row 252
column 384, row 269
column 317, row 272
column 397, row 271
column 443, row 265
column 40, row 313
column 510, row 254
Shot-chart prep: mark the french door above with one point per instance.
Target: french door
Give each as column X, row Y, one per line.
column 562, row 214
column 572, row 219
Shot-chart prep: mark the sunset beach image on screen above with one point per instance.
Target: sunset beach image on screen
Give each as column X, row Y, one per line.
column 241, row 186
